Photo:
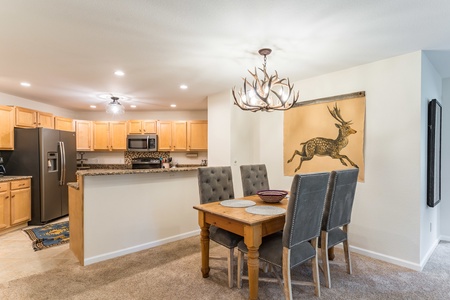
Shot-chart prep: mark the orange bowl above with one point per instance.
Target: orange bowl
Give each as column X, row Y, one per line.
column 272, row 196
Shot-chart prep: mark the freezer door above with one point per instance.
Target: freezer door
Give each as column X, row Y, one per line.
column 50, row 172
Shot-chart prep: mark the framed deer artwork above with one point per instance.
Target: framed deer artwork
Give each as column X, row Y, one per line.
column 325, row 134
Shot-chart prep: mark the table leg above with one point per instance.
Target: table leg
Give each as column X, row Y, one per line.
column 252, row 238
column 331, row 253
column 204, row 242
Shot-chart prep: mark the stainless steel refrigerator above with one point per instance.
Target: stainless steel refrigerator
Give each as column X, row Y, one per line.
column 50, row 157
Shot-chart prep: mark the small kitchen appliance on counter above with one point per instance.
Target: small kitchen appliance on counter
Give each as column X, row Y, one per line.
column 146, row 163
column 2, row 168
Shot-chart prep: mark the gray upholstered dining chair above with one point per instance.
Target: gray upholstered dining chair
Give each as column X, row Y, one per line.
column 215, row 184
column 254, row 179
column 337, row 214
column 298, row 241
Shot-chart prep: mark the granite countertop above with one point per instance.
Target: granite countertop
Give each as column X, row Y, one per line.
column 13, row 177
column 97, row 172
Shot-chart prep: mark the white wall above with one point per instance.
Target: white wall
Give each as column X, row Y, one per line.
column 445, row 202
column 387, row 210
column 429, row 218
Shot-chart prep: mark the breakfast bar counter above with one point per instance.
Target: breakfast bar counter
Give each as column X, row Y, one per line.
column 115, row 212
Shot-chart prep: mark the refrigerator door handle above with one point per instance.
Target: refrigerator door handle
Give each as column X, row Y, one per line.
column 62, row 152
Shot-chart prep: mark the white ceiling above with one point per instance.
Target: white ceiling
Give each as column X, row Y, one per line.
column 69, row 50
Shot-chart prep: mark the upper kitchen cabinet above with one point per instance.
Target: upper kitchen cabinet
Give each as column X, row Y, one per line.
column 172, row 135
column 110, row 135
column 29, row 118
column 142, row 126
column 65, row 124
column 84, row 135
column 197, row 135
column 6, row 127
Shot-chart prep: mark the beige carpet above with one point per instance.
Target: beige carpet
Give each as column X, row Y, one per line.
column 172, row 271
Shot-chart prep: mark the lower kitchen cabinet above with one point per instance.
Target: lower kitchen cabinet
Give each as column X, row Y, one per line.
column 15, row 204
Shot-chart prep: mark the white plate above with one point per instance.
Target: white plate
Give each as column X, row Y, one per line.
column 237, row 203
column 265, row 210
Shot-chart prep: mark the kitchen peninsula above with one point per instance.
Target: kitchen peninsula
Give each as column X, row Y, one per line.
column 116, row 212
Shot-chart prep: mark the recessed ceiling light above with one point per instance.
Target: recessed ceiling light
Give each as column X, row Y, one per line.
column 133, row 106
column 93, row 106
column 183, row 86
column 173, row 105
column 119, row 73
column 25, row 84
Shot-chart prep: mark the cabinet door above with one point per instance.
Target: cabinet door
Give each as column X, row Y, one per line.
column 4, row 205
column 164, row 135
column 20, row 205
column 84, row 135
column 118, row 135
column 25, row 117
column 134, row 127
column 6, row 127
column 179, row 134
column 45, row 120
column 65, row 124
column 197, row 135
column 149, row 126
column 101, row 135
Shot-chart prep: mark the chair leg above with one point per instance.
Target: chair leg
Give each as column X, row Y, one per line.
column 240, row 267
column 230, row 267
column 287, row 273
column 347, row 251
column 325, row 261
column 315, row 269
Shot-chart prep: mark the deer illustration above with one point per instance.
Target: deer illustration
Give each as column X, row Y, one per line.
column 327, row 147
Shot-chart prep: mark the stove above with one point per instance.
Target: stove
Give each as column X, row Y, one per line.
column 146, row 163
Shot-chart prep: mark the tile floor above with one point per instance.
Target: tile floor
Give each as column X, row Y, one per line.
column 18, row 259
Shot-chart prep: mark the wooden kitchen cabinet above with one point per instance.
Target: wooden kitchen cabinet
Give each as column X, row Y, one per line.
column 28, row 118
column 142, row 126
column 15, row 204
column 65, row 124
column 83, row 131
column 20, row 201
column 110, row 135
column 6, row 128
column 172, row 135
column 197, row 135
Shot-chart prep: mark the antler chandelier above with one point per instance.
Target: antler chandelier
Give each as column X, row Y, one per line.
column 266, row 94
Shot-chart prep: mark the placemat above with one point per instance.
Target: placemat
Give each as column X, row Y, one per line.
column 237, row 203
column 265, row 210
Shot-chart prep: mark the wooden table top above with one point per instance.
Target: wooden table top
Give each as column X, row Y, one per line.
column 238, row 213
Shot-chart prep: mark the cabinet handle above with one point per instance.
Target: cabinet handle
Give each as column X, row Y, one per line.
column 13, row 196
column 6, row 197
column 22, row 184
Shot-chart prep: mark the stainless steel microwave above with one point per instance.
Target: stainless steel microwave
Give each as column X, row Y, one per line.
column 142, row 142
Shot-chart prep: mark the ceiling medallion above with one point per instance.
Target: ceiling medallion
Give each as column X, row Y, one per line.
column 266, row 94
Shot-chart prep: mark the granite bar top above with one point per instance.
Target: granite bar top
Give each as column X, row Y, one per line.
column 98, row 172
column 13, row 177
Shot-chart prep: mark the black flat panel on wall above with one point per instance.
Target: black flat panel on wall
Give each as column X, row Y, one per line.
column 434, row 153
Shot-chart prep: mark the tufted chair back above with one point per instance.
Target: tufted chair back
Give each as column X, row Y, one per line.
column 254, row 179
column 215, row 184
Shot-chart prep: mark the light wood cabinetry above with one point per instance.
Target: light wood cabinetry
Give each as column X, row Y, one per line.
column 172, row 135
column 197, row 135
column 6, row 127
column 29, row 118
column 65, row 124
column 110, row 135
column 83, row 131
column 142, row 126
column 15, row 204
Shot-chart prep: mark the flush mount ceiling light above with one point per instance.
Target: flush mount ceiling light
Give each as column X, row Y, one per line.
column 114, row 107
column 266, row 94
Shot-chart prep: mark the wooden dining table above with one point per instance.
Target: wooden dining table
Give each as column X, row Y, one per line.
column 252, row 227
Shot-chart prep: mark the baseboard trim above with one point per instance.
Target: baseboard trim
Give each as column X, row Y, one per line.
column 114, row 254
